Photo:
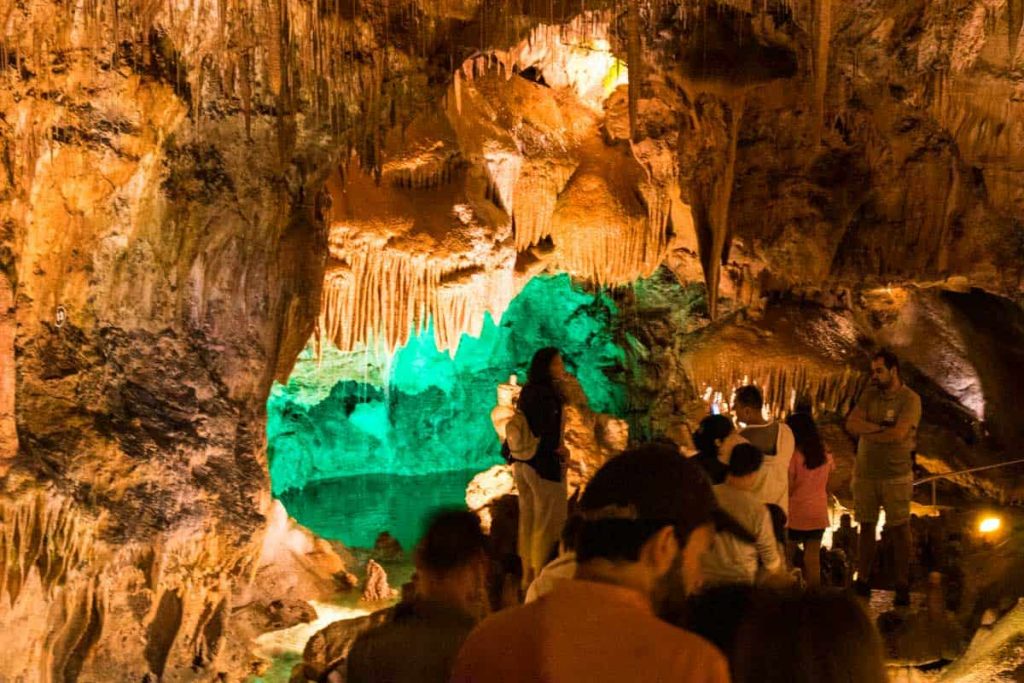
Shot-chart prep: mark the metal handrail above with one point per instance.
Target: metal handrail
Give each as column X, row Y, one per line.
column 947, row 475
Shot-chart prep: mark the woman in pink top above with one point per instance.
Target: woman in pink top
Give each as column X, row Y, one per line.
column 808, row 494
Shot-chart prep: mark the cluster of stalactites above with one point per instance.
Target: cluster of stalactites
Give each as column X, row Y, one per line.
column 535, row 197
column 381, row 297
column 785, row 387
column 43, row 532
column 616, row 257
column 283, row 56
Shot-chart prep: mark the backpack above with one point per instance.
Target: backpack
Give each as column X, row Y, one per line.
column 520, row 442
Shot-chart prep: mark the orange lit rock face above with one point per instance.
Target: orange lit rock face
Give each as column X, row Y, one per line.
column 505, row 177
column 133, row 510
column 429, row 241
column 8, row 432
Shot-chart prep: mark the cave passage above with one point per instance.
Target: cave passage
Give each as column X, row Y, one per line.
column 363, row 442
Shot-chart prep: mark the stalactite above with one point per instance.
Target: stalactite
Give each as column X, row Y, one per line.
column 784, row 384
column 535, row 198
column 717, row 201
column 611, row 250
column 635, row 58
column 1015, row 22
column 424, row 171
column 614, row 258
column 381, row 297
column 823, row 35
column 44, row 532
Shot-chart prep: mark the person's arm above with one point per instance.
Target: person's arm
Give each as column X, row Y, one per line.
column 785, row 444
column 857, row 423
column 767, row 544
column 908, row 420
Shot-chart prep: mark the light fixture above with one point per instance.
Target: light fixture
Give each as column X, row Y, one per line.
column 989, row 524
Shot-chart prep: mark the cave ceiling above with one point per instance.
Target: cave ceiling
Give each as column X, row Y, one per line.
column 791, row 142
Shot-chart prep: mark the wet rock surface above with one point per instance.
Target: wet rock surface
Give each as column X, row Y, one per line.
column 327, row 650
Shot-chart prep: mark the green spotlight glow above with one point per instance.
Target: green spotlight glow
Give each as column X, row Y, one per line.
column 431, row 415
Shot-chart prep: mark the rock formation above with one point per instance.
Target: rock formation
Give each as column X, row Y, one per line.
column 377, row 588
column 180, row 182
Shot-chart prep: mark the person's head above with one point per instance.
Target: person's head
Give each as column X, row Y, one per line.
column 717, row 612
column 793, row 637
column 807, row 438
column 570, row 534
column 648, row 517
column 712, row 432
column 885, row 370
column 546, row 366
column 803, row 404
column 845, row 521
column 451, row 557
column 748, row 405
column 744, row 465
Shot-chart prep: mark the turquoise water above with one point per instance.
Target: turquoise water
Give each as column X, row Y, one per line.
column 422, row 411
column 354, row 510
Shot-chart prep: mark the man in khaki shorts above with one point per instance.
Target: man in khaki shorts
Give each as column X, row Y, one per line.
column 885, row 422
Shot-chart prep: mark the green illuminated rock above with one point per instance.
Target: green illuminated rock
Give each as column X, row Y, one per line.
column 339, row 419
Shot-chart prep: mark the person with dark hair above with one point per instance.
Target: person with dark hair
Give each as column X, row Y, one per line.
column 732, row 559
column 717, row 612
column 885, row 421
column 714, row 439
column 540, row 479
column 807, row 637
column 774, row 439
column 808, row 494
column 562, row 567
column 420, row 641
column 648, row 516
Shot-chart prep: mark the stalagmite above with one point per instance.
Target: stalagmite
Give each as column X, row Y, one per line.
column 377, row 588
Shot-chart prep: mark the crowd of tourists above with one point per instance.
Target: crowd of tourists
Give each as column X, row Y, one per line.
column 675, row 564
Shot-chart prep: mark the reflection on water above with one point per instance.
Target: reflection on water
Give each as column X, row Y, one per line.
column 291, row 641
column 354, row 510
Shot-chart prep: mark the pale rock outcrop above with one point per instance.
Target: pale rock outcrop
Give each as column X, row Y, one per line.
column 328, row 649
column 487, row 487
column 377, row 588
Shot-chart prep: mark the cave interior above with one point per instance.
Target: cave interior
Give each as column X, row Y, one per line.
column 263, row 267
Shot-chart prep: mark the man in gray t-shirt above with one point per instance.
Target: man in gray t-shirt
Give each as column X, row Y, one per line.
column 885, row 421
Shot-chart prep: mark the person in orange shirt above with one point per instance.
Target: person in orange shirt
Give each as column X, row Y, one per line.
column 649, row 514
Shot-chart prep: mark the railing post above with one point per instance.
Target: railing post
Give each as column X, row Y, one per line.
column 934, row 482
